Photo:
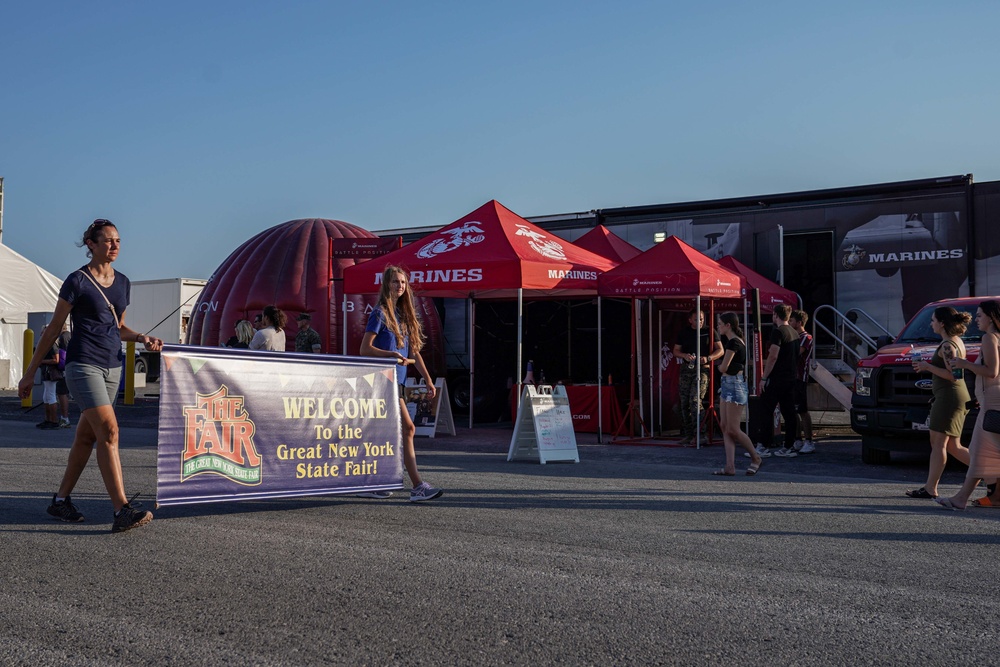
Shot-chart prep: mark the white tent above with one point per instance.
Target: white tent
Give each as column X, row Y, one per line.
column 25, row 288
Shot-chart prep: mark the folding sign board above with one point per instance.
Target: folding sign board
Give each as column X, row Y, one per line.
column 430, row 415
column 544, row 427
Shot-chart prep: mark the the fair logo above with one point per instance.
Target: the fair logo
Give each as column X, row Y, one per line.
column 218, row 439
column 853, row 256
column 541, row 244
column 468, row 234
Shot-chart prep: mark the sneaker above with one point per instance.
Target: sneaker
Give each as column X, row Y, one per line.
column 798, row 445
column 424, row 492
column 377, row 495
column 64, row 422
column 808, row 447
column 786, row 453
column 762, row 451
column 47, row 425
column 65, row 510
column 128, row 518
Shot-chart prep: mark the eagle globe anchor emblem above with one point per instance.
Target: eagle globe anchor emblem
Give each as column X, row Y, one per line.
column 468, row 234
column 853, row 256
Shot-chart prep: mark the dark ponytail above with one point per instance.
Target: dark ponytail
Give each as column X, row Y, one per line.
column 733, row 321
column 955, row 322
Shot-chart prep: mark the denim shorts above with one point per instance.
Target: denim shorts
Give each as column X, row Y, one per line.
column 733, row 389
column 93, row 386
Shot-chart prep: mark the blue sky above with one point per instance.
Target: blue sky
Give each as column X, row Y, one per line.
column 195, row 125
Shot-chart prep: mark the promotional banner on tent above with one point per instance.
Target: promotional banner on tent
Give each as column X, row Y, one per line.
column 240, row 424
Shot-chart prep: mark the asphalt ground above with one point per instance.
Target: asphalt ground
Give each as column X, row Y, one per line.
column 635, row 555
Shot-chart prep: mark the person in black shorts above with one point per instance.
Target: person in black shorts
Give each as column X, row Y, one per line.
column 62, row 390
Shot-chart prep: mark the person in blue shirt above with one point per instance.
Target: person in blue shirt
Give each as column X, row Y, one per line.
column 394, row 331
column 96, row 297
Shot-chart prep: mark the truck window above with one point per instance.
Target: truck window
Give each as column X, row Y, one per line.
column 919, row 329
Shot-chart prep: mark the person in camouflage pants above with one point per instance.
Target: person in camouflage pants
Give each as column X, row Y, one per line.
column 692, row 366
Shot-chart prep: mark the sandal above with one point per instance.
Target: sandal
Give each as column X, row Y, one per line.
column 983, row 502
column 723, row 473
column 948, row 505
column 754, row 467
column 920, row 493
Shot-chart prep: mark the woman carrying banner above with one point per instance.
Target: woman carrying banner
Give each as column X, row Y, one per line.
column 394, row 331
column 96, row 297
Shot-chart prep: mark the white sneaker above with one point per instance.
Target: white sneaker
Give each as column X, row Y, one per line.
column 808, row 447
column 786, row 453
column 762, row 451
column 798, row 445
column 424, row 492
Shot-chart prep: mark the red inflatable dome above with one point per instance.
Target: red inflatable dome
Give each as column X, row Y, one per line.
column 291, row 265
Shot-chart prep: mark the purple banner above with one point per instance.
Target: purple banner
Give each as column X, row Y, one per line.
column 241, row 424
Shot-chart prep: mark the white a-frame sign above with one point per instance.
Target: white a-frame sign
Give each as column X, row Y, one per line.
column 544, row 427
column 430, row 415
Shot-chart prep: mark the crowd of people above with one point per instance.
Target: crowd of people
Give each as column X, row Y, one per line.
column 784, row 381
column 88, row 365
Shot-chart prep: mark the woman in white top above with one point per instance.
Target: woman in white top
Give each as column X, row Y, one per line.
column 271, row 336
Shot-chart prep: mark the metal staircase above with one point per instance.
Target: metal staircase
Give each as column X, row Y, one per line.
column 834, row 371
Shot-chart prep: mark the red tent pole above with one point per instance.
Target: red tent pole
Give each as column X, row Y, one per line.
column 634, row 371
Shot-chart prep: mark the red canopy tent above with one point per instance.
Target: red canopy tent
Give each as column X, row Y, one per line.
column 604, row 242
column 491, row 253
column 670, row 270
column 771, row 293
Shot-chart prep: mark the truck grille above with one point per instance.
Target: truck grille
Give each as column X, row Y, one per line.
column 898, row 385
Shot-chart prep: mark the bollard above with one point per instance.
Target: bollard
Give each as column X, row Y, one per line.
column 27, row 352
column 128, row 368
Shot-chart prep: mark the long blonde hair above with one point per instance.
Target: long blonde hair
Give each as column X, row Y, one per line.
column 410, row 325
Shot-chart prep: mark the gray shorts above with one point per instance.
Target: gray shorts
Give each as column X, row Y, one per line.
column 93, row 386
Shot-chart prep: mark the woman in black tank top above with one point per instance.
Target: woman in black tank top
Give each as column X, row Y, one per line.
column 733, row 395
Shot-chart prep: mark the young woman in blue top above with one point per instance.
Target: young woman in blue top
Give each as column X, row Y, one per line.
column 96, row 297
column 394, row 331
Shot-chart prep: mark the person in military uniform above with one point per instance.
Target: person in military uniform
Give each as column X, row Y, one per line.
column 307, row 339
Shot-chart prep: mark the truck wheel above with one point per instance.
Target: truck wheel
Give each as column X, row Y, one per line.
column 458, row 387
column 873, row 456
column 140, row 365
